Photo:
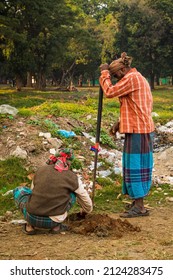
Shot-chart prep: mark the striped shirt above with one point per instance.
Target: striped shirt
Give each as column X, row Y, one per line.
column 135, row 99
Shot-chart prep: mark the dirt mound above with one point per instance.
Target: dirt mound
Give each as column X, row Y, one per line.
column 100, row 225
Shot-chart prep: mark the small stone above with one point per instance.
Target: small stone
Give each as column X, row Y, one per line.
column 170, row 199
column 31, row 149
column 8, row 214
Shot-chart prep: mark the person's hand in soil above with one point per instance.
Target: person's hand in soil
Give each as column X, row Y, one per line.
column 81, row 215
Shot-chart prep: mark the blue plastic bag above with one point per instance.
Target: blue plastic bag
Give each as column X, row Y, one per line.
column 65, row 133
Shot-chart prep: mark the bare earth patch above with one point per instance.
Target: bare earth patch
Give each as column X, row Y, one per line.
column 124, row 240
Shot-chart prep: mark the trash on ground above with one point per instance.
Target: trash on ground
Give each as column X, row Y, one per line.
column 65, row 133
column 7, row 109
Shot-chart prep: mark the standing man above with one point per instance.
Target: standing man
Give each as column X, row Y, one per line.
column 136, row 123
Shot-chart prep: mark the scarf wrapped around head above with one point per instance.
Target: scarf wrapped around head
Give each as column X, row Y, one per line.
column 61, row 159
column 123, row 61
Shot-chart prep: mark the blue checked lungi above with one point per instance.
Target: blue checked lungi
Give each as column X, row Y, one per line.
column 137, row 164
column 21, row 196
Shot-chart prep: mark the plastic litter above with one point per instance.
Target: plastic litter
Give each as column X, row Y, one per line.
column 88, row 136
column 104, row 173
column 18, row 152
column 65, row 133
column 7, row 109
column 18, row 222
column 117, row 170
column 46, row 135
column 52, row 151
column 91, row 167
column 7, row 193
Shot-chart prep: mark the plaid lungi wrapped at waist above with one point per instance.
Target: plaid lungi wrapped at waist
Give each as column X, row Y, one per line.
column 21, row 196
column 137, row 164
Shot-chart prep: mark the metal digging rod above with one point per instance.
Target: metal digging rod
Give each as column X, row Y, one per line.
column 99, row 116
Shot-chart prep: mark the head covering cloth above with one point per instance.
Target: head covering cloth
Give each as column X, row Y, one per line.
column 118, row 64
column 61, row 160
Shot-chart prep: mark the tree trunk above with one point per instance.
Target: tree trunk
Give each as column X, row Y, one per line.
column 71, row 85
column 40, row 81
column 152, row 81
column 64, row 74
column 29, row 79
column 80, row 81
column 158, row 80
column 89, row 82
column 18, row 83
column 93, row 80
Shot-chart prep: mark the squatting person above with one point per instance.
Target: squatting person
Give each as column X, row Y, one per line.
column 54, row 190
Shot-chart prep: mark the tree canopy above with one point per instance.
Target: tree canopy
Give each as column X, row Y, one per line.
column 66, row 39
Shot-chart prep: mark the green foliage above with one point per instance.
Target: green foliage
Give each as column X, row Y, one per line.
column 25, row 112
column 71, row 142
column 12, row 174
column 49, row 126
column 105, row 139
column 7, row 204
column 34, row 36
column 105, row 164
column 78, row 130
column 76, row 164
column 105, row 182
column 61, row 40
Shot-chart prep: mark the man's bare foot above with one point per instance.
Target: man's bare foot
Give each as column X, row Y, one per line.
column 28, row 229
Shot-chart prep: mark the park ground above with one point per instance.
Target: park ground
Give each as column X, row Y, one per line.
column 153, row 241
column 102, row 235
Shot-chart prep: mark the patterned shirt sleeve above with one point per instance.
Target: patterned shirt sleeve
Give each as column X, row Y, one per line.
column 121, row 88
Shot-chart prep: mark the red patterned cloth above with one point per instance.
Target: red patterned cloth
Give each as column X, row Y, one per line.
column 61, row 160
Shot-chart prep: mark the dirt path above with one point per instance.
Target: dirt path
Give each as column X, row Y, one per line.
column 153, row 241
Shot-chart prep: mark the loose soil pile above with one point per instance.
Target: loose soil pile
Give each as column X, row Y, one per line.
column 100, row 225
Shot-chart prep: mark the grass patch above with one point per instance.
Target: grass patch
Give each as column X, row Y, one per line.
column 106, row 198
column 162, row 105
column 12, row 174
column 106, row 140
column 159, row 194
